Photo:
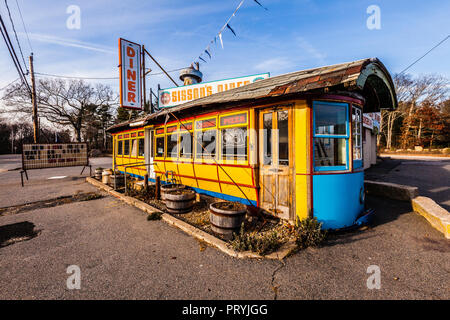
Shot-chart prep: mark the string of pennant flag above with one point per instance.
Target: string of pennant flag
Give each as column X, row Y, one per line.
column 218, row 36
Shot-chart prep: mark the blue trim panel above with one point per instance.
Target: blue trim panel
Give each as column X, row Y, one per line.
column 207, row 192
column 337, row 199
column 345, row 136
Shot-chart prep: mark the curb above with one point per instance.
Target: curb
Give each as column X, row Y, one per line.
column 391, row 190
column 437, row 216
column 285, row 250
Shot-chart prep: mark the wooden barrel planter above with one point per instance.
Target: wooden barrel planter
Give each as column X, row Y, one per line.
column 120, row 180
column 170, row 187
column 226, row 217
column 179, row 201
column 98, row 173
column 106, row 174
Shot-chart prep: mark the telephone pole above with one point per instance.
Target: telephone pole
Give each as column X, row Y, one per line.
column 33, row 99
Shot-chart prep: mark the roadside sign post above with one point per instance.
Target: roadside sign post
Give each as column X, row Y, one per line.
column 54, row 155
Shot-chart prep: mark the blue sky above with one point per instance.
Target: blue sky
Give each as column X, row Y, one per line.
column 290, row 36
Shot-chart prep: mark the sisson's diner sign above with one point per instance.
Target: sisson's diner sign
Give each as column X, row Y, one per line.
column 172, row 97
column 130, row 74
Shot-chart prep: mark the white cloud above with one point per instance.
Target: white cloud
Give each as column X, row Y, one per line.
column 273, row 65
column 71, row 43
column 307, row 47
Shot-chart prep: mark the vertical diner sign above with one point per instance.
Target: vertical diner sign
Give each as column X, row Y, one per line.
column 130, row 74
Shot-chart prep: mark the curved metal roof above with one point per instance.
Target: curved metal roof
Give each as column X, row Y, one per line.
column 368, row 78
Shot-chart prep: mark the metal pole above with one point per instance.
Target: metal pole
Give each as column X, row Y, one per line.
column 143, row 78
column 160, row 66
column 151, row 100
column 33, row 99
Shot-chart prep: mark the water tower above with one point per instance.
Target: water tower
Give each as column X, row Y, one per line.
column 191, row 75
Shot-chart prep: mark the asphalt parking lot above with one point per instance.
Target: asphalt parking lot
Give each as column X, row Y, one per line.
column 121, row 255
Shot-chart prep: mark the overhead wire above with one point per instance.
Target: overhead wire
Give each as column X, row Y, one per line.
column 423, row 56
column 13, row 54
column 24, row 28
column 15, row 34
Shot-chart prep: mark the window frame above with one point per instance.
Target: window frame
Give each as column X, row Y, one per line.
column 357, row 163
column 202, row 130
column 139, row 147
column 169, row 136
column 119, row 142
column 244, row 125
column 190, row 132
column 155, row 146
column 346, row 137
column 124, row 144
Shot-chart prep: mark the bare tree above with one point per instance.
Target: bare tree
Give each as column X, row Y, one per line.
column 431, row 89
column 61, row 102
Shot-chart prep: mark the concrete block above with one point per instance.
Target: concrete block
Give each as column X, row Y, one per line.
column 391, row 190
column 437, row 216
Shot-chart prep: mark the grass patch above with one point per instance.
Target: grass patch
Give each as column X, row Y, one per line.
column 261, row 243
column 154, row 216
column 308, row 233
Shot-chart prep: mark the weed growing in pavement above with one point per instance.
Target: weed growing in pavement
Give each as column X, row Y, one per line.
column 262, row 243
column 154, row 216
column 308, row 233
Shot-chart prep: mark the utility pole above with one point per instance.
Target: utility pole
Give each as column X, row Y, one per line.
column 143, row 79
column 33, row 100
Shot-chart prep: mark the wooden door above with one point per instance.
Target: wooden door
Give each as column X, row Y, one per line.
column 276, row 161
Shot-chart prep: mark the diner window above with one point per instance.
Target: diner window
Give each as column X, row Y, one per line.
column 126, row 147
column 357, row 137
column 330, row 136
column 159, row 145
column 141, row 147
column 134, row 148
column 283, row 137
column 119, row 150
column 172, row 145
column 267, row 131
column 186, row 145
column 206, row 143
column 234, row 143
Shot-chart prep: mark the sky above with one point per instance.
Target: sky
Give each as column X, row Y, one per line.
column 289, row 36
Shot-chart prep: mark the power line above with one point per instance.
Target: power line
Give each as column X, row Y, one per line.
column 73, row 77
column 12, row 53
column 441, row 42
column 15, row 33
column 24, row 28
column 97, row 78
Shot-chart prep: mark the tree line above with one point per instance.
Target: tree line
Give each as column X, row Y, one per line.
column 70, row 110
column 423, row 114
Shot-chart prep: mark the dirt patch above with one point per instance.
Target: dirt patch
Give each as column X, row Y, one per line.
column 50, row 203
column 230, row 206
column 17, row 232
column 261, row 224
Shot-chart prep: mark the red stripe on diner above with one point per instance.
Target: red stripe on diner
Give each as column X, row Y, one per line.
column 206, row 163
column 212, row 180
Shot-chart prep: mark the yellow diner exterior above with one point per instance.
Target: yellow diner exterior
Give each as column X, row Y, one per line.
column 289, row 145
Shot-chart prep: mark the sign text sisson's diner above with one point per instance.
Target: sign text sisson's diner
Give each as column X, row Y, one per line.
column 172, row 97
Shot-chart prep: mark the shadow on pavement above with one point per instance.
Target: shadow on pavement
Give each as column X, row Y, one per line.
column 16, row 232
column 386, row 211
